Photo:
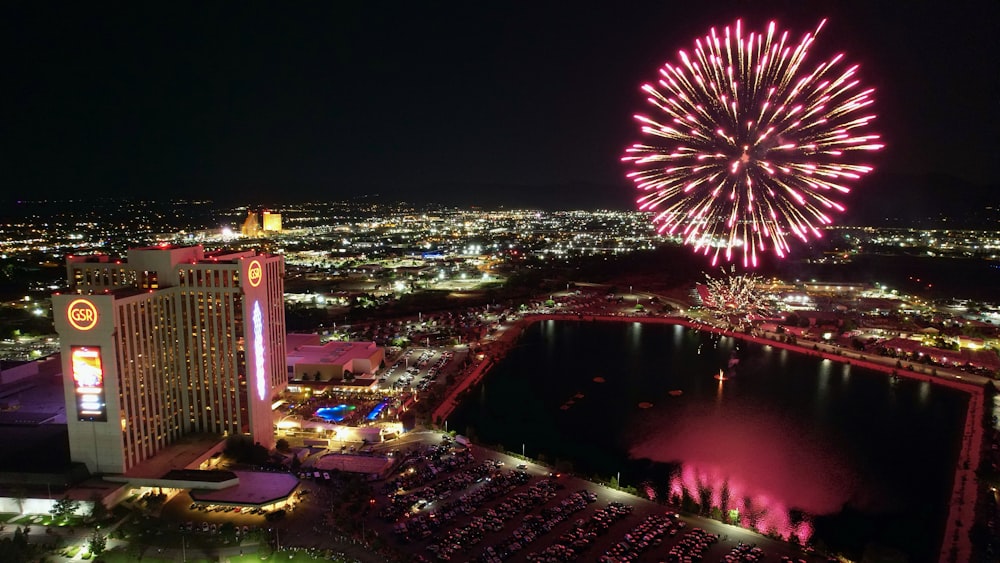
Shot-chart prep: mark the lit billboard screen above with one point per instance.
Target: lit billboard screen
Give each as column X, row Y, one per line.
column 88, row 375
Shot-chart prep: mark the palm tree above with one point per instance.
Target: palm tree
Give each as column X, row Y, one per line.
column 19, row 494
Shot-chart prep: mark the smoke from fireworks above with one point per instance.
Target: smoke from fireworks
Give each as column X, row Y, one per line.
column 751, row 144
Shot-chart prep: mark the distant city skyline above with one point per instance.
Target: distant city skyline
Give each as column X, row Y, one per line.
column 446, row 102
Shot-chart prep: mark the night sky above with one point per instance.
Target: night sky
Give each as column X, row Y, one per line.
column 520, row 103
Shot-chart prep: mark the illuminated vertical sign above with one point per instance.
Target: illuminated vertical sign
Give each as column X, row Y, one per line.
column 257, row 318
column 88, row 374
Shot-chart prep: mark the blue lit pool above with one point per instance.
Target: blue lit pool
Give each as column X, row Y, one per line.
column 378, row 409
column 334, row 414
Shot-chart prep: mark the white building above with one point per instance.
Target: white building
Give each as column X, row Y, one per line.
column 170, row 342
column 310, row 360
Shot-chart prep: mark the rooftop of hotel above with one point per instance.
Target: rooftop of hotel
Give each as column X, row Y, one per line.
column 308, row 348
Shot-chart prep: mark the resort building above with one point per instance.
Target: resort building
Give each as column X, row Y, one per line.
column 173, row 341
column 271, row 221
column 311, row 360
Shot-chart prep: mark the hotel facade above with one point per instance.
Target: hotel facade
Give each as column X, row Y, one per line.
column 172, row 341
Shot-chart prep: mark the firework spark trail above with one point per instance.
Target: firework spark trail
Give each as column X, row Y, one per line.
column 751, row 145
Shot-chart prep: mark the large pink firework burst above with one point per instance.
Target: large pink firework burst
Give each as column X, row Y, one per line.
column 750, row 144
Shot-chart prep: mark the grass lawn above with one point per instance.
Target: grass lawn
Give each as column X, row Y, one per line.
column 22, row 520
column 7, row 516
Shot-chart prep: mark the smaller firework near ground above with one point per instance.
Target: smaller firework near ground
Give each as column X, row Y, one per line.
column 734, row 293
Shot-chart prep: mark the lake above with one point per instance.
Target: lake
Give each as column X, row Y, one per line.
column 868, row 460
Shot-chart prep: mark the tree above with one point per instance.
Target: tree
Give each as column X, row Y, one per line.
column 19, row 494
column 63, row 508
column 155, row 502
column 282, row 445
column 97, row 543
column 97, row 511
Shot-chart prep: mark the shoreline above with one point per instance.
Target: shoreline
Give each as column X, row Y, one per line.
column 962, row 499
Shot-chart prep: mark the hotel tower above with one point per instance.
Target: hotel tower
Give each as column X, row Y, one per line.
column 172, row 341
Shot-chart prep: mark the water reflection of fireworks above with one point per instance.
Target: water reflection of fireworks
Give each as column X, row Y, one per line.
column 748, row 464
column 707, row 491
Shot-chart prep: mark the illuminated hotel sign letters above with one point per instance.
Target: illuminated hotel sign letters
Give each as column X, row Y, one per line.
column 257, row 318
column 255, row 273
column 88, row 374
column 81, row 314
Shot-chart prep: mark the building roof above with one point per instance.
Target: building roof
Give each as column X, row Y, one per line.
column 254, row 488
column 212, row 476
column 176, row 456
column 306, row 348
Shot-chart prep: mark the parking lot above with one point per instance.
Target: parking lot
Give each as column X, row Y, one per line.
column 448, row 503
column 419, row 368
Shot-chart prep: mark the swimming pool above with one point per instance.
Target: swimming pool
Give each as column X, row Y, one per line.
column 334, row 414
column 378, row 409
